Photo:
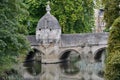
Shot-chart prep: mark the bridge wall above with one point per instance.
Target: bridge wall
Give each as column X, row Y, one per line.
column 82, row 43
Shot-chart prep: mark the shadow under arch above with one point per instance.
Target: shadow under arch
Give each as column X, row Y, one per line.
column 32, row 62
column 99, row 58
column 31, row 54
column 70, row 57
column 65, row 54
column 98, row 54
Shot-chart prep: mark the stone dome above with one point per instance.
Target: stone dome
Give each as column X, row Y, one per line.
column 48, row 21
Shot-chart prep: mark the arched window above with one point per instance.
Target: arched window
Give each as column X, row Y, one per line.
column 50, row 29
column 40, row 29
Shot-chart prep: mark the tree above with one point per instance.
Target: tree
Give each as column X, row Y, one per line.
column 98, row 4
column 36, row 11
column 112, row 8
column 112, row 70
column 73, row 16
column 111, row 11
column 13, row 43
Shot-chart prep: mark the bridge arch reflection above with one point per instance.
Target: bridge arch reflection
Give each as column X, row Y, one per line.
column 32, row 62
column 70, row 58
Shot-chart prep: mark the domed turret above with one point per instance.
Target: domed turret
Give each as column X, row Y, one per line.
column 48, row 29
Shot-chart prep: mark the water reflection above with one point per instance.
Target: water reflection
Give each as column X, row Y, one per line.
column 66, row 71
column 69, row 68
column 33, row 67
column 73, row 68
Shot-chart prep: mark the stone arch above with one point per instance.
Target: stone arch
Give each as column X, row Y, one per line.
column 65, row 54
column 31, row 54
column 98, row 54
column 32, row 62
column 99, row 58
column 68, row 66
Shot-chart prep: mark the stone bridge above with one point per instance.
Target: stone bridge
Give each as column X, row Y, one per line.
column 90, row 47
column 51, row 46
column 87, row 45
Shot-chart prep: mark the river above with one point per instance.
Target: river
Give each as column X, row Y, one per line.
column 73, row 69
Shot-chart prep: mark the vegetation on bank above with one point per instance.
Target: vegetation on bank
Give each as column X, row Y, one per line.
column 112, row 18
column 13, row 43
column 112, row 70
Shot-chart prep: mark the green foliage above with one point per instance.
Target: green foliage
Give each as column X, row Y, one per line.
column 11, row 74
column 73, row 16
column 112, row 71
column 114, row 37
column 98, row 4
column 111, row 11
column 12, row 40
column 36, row 10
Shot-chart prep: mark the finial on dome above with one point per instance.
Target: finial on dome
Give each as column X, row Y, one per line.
column 48, row 7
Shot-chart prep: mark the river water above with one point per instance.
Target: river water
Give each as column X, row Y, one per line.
column 73, row 69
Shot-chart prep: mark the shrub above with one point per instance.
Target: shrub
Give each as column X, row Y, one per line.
column 112, row 70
